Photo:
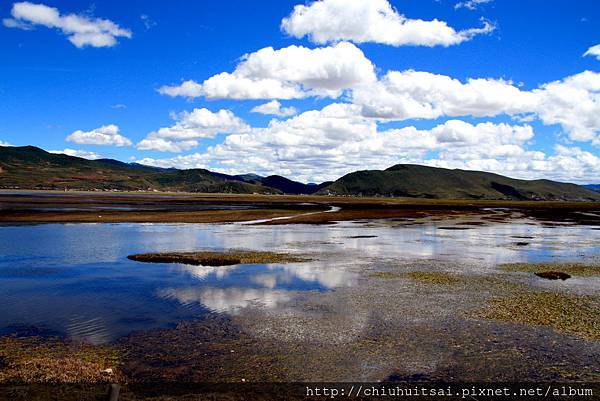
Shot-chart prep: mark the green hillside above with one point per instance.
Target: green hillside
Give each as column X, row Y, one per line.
column 29, row 167
column 406, row 180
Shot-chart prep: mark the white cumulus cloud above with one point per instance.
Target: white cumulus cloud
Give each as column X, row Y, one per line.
column 104, row 135
column 287, row 73
column 274, row 108
column 189, row 89
column 191, row 126
column 593, row 51
column 471, row 4
column 573, row 102
column 360, row 21
column 80, row 30
column 417, row 94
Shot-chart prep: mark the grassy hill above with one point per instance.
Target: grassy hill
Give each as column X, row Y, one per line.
column 29, row 167
column 406, row 180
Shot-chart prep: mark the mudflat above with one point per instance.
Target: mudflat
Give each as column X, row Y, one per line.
column 56, row 207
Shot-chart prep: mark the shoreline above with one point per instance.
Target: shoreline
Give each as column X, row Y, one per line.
column 91, row 207
column 276, row 198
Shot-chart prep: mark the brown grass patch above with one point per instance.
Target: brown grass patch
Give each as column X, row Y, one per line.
column 52, row 360
column 217, row 258
column 579, row 315
column 574, row 269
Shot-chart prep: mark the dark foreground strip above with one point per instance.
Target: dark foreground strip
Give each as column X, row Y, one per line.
column 306, row 391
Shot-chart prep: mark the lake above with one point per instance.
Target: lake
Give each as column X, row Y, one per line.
column 75, row 279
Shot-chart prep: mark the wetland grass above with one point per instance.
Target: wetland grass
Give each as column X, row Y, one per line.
column 571, row 269
column 53, row 360
column 578, row 315
column 209, row 258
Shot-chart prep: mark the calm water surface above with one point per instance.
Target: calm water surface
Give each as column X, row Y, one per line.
column 75, row 279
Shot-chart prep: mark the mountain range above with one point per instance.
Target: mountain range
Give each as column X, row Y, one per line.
column 593, row 187
column 29, row 167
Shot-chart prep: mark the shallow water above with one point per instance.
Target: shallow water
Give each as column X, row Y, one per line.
column 75, row 279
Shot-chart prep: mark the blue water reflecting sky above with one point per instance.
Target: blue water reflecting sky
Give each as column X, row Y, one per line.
column 75, row 279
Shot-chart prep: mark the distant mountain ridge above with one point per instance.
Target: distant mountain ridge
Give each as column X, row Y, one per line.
column 593, row 187
column 29, row 167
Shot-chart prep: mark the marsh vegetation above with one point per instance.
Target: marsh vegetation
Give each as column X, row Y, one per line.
column 570, row 268
column 226, row 258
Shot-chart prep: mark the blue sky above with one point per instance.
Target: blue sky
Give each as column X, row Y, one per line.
column 54, row 83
